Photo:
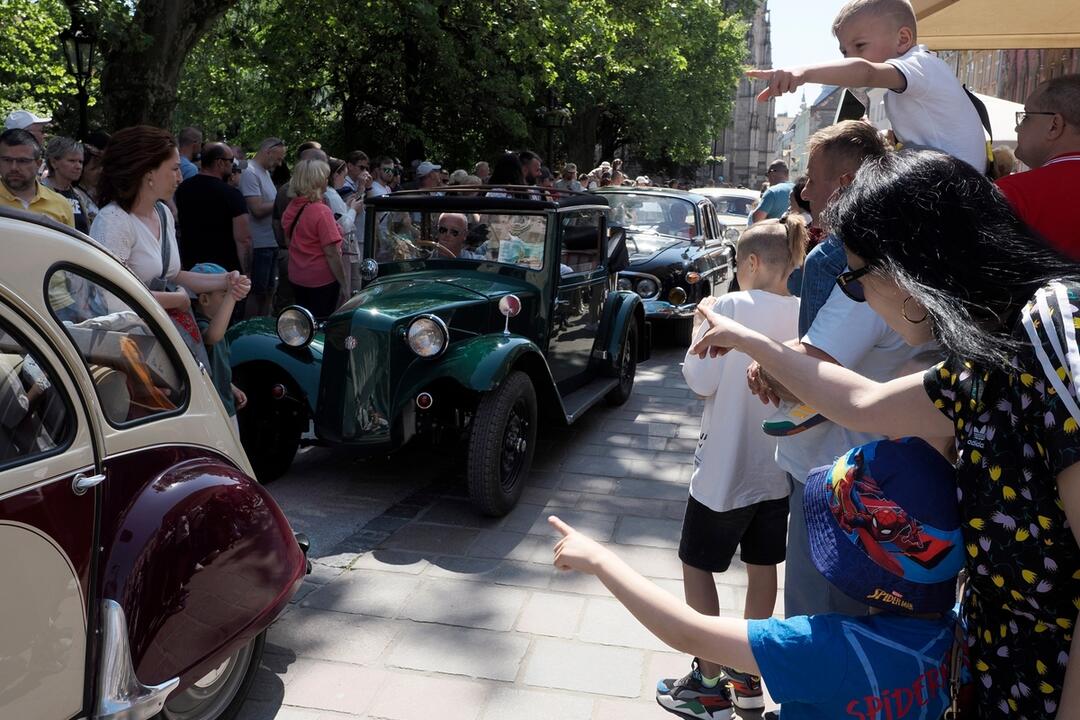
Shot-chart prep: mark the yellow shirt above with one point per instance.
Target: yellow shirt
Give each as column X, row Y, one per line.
column 46, row 202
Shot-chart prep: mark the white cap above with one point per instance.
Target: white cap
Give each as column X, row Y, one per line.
column 23, row 119
column 426, row 168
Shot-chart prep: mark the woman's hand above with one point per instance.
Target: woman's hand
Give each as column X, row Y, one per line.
column 575, row 551
column 722, row 335
column 356, row 201
column 239, row 397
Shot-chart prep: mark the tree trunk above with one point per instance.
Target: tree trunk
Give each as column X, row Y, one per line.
column 581, row 135
column 141, row 66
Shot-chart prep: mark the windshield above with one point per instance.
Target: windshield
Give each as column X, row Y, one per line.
column 733, row 204
column 654, row 214
column 512, row 239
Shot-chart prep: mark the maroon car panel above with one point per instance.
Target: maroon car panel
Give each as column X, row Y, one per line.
column 198, row 555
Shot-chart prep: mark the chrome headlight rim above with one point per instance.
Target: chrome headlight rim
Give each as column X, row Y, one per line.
column 439, row 324
column 646, row 282
column 305, row 325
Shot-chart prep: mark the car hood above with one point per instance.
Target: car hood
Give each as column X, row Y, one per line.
column 651, row 247
column 404, row 295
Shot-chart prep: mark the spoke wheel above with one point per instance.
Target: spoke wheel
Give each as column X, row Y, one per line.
column 501, row 444
column 626, row 369
column 219, row 694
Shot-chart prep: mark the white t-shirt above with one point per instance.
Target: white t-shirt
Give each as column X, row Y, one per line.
column 255, row 181
column 733, row 463
column 934, row 111
column 133, row 242
column 858, row 339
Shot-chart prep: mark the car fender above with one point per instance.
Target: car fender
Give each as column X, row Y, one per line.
column 623, row 307
column 255, row 347
column 201, row 559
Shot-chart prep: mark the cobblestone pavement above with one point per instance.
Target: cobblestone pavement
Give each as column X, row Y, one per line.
column 418, row 608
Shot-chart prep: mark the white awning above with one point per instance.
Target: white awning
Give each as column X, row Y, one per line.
column 1002, row 115
column 998, row 24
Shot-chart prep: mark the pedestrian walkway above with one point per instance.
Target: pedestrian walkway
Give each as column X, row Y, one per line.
column 419, row 608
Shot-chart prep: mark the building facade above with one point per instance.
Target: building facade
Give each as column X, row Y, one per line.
column 1010, row 74
column 792, row 144
column 748, row 143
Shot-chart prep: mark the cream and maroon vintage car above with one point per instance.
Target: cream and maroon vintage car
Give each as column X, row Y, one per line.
column 141, row 562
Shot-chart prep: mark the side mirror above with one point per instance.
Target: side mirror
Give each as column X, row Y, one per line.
column 618, row 256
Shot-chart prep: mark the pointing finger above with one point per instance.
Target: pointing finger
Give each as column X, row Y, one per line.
column 559, row 525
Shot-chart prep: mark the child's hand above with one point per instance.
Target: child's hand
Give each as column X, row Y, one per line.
column 575, row 551
column 239, row 286
column 721, row 336
column 758, row 382
column 239, row 397
column 780, row 82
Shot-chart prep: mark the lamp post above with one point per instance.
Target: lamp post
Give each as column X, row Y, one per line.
column 79, row 42
column 552, row 117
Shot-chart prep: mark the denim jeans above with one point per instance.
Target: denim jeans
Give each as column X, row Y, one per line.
column 819, row 272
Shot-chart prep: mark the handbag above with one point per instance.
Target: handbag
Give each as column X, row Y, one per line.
column 182, row 318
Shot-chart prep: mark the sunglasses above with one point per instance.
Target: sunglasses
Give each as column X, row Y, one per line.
column 454, row 232
column 851, row 285
column 388, row 169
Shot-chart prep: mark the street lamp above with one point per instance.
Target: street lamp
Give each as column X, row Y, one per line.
column 552, row 117
column 79, row 44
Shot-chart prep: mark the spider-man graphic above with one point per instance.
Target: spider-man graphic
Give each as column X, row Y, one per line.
column 882, row 526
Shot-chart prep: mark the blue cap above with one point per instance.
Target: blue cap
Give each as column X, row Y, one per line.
column 208, row 269
column 884, row 525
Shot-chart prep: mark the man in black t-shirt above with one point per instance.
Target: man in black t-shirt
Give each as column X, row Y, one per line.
column 212, row 215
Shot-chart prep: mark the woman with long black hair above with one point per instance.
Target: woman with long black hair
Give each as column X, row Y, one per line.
column 936, row 250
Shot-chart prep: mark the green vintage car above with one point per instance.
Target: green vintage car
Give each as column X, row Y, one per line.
column 481, row 312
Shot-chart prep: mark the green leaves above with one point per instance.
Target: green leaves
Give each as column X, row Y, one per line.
column 33, row 74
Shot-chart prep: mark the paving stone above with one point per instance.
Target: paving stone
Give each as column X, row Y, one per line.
column 607, row 622
column 653, row 532
column 628, row 427
column 575, row 582
column 597, row 465
column 552, row 614
column 436, row 539
column 363, row 592
column 586, row 668
column 661, row 665
column 598, row 526
column 275, row 672
column 398, row 561
column 460, row 651
column 504, row 545
column 440, row 697
column 465, row 604
column 600, row 450
column 665, row 471
column 336, row 636
column 627, row 710
column 618, row 505
column 493, row 570
column 651, row 562
column 682, row 445
column 459, row 513
column 336, row 686
column 321, row 574
column 586, row 483
column 521, row 518
column 542, row 479
column 276, row 711
column 512, row 704
column 636, row 487
column 627, row 440
column 550, row 498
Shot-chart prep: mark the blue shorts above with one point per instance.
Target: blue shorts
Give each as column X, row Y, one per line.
column 264, row 270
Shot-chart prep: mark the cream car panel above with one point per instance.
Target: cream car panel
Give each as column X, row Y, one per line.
column 43, row 646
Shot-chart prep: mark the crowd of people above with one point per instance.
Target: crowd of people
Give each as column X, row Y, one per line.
column 913, row 322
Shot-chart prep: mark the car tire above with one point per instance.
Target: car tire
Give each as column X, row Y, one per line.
column 221, row 697
column 269, row 431
column 501, row 444
column 626, row 369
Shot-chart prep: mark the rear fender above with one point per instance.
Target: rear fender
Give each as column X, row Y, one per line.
column 255, row 347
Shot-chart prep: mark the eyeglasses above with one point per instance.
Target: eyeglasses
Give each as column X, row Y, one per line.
column 23, row 161
column 279, row 143
column 229, row 159
column 850, row 283
column 454, row 232
column 1022, row 115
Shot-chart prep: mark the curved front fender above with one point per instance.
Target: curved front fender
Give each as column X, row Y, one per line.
column 479, row 363
column 625, row 308
column 255, row 343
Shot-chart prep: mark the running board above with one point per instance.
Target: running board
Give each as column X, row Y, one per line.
column 581, row 400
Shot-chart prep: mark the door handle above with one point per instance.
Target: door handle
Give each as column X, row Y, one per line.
column 84, row 482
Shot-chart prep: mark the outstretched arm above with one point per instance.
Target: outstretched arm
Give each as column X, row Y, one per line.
column 850, row 72
column 719, row 640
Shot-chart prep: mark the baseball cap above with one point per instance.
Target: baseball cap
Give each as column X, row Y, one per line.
column 426, row 167
column 23, row 119
column 884, row 525
column 207, row 268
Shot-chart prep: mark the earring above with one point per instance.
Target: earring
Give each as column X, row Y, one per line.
column 903, row 311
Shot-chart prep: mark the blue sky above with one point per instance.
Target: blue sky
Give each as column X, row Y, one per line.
column 801, row 34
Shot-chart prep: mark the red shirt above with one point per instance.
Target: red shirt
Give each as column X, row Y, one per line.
column 1046, row 199
column 314, row 230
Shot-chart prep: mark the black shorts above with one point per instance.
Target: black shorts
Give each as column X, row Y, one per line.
column 709, row 538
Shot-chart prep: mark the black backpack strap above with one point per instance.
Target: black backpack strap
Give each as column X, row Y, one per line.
column 984, row 116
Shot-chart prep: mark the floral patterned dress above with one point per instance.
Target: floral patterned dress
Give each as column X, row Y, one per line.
column 1014, row 433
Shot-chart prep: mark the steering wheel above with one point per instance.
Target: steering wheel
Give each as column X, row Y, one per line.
column 434, row 249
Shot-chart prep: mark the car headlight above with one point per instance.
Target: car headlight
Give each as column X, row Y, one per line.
column 732, row 234
column 427, row 336
column 625, row 284
column 646, row 288
column 296, row 326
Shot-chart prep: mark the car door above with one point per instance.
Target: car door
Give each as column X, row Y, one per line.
column 48, row 471
column 579, row 301
column 716, row 263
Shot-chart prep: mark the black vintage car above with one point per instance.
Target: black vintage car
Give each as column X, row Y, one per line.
column 679, row 253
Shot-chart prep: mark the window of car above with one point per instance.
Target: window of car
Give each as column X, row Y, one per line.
column 657, row 214
column 583, row 242
column 733, row 204
column 135, row 374
column 35, row 417
column 509, row 238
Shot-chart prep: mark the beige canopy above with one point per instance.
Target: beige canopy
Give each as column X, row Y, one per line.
column 998, row 24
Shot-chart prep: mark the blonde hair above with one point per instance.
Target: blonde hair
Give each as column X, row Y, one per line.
column 847, row 144
column 777, row 243
column 309, row 179
column 898, row 12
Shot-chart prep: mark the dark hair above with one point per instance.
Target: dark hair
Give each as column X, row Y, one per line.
column 796, row 192
column 189, row 136
column 17, row 136
column 335, row 165
column 507, row 170
column 356, row 157
column 945, row 234
column 307, row 145
column 527, row 156
column 211, row 153
column 130, row 154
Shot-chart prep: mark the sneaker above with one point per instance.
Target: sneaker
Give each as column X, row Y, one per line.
column 745, row 690
column 791, row 419
column 689, row 698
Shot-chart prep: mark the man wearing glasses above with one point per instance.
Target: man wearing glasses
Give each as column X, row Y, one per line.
column 357, row 174
column 1048, row 140
column 384, row 177
column 20, row 156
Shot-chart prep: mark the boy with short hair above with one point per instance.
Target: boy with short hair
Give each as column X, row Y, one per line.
column 738, row 495
column 885, row 528
column 926, row 104
column 212, row 311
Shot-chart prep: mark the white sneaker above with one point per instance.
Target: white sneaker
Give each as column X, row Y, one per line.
column 791, row 419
